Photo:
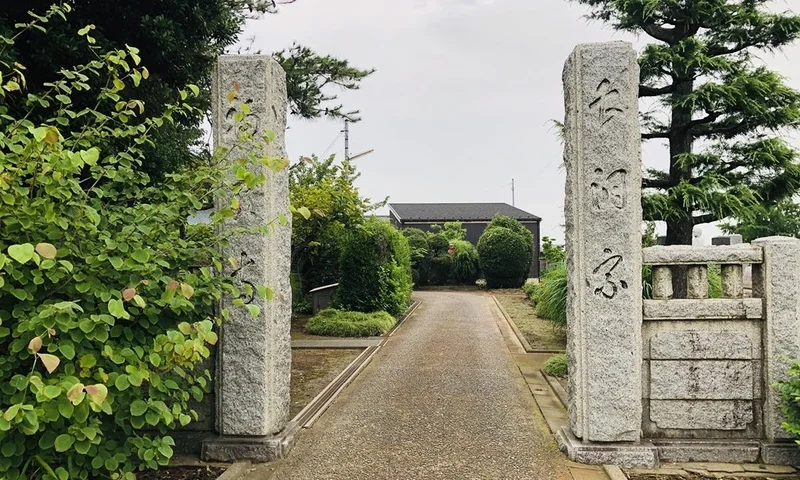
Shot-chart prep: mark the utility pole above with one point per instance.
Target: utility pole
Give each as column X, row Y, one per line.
column 346, row 140
column 513, row 203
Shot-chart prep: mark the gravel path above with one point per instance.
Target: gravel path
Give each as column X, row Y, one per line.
column 442, row 399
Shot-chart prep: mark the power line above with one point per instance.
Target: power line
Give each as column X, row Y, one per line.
column 331, row 145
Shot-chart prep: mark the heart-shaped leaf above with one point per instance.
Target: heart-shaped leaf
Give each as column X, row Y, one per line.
column 173, row 285
column 46, row 250
column 35, row 344
column 74, row 393
column 50, row 361
column 97, row 393
column 187, row 290
column 63, row 442
column 128, row 294
column 21, row 253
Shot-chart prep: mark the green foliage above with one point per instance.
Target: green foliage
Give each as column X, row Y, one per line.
column 327, row 191
column 552, row 254
column 337, row 323
column 783, row 218
column 505, row 250
column 441, row 269
column 529, row 287
column 790, row 400
column 418, row 250
column 375, row 270
column 723, row 114
column 453, row 231
column 550, row 296
column 107, row 296
column 179, row 40
column 307, row 76
column 466, row 265
column 556, row 366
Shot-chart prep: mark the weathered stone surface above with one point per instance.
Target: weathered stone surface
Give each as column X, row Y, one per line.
column 697, row 281
column 701, row 379
column 780, row 453
column 627, row 455
column 732, row 281
column 764, row 468
column 254, row 356
column 701, row 414
column 679, row 451
column 603, row 219
column 710, row 308
column 689, row 255
column 778, row 281
column 662, row 282
column 695, row 344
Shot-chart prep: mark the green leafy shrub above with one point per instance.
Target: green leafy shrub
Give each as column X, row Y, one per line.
column 550, row 296
column 465, row 262
column 530, row 287
column 452, row 231
column 504, row 257
column 441, row 269
column 552, row 254
column 107, row 296
column 515, row 226
column 375, row 270
column 556, row 366
column 337, row 323
column 790, row 400
column 418, row 252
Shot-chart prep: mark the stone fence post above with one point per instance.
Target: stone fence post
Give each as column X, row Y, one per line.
column 777, row 282
column 603, row 235
column 254, row 354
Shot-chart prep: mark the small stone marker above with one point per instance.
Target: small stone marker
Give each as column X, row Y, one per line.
column 604, row 252
column 254, row 354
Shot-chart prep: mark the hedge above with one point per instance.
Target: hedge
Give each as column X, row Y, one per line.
column 375, row 270
column 504, row 257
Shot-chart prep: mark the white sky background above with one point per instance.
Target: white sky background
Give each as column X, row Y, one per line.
column 462, row 97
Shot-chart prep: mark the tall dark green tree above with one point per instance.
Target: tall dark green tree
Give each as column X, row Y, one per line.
column 720, row 112
column 178, row 40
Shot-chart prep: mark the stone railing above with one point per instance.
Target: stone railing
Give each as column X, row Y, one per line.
column 697, row 305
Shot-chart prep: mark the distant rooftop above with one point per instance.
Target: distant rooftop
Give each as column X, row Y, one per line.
column 449, row 212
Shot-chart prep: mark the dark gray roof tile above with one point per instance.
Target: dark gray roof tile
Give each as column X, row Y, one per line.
column 447, row 212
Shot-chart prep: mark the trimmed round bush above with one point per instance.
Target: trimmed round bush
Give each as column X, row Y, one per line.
column 375, row 270
column 337, row 323
column 516, row 226
column 504, row 257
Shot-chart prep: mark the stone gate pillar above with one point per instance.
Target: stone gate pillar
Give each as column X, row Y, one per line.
column 603, row 242
column 254, row 354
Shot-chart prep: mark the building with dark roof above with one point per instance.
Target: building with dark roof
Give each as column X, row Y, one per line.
column 474, row 217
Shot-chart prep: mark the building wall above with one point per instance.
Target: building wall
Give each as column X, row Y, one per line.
column 474, row 232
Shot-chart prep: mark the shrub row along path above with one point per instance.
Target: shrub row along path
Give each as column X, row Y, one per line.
column 442, row 399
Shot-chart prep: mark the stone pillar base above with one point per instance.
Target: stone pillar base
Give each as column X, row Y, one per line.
column 787, row 453
column 624, row 454
column 230, row 448
column 712, row 451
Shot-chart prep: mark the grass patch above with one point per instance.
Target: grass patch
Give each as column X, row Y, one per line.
column 541, row 334
column 556, row 366
column 338, row 323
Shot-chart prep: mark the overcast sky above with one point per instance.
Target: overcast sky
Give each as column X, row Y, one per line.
column 462, row 97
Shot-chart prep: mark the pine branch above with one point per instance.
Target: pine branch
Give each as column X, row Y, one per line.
column 653, row 135
column 645, row 91
column 707, row 218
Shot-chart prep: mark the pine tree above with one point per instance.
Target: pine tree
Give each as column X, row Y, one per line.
column 720, row 112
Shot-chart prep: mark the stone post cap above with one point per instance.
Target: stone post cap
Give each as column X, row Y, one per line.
column 776, row 239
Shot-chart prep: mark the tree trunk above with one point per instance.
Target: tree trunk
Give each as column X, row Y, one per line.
column 679, row 232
